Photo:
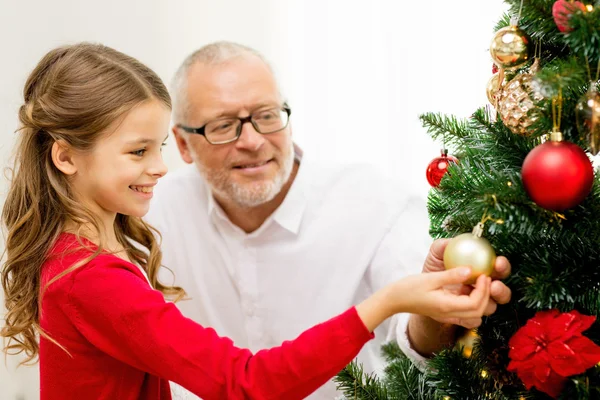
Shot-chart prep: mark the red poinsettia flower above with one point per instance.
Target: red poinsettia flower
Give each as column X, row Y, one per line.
column 551, row 347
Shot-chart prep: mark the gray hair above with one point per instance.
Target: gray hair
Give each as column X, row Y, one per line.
column 212, row 54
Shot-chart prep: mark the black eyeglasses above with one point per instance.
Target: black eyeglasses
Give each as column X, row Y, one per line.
column 227, row 130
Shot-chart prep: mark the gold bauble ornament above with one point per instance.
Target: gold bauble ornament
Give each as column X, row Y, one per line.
column 492, row 88
column 510, row 47
column 471, row 250
column 467, row 342
column 517, row 102
column 587, row 113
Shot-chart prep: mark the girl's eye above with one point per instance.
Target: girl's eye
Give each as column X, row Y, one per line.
column 139, row 152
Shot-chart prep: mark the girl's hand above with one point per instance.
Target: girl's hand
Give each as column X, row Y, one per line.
column 499, row 292
column 426, row 294
column 429, row 294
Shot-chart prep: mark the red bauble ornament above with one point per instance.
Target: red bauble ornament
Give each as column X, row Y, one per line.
column 437, row 168
column 494, row 68
column 557, row 175
column 562, row 10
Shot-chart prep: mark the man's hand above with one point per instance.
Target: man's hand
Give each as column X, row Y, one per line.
column 428, row 335
column 499, row 292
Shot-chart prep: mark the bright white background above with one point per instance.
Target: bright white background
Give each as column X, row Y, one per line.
column 357, row 73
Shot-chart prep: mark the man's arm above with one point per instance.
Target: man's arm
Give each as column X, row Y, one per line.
column 427, row 336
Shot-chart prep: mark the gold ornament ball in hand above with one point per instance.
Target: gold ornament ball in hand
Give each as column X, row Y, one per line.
column 510, row 47
column 469, row 250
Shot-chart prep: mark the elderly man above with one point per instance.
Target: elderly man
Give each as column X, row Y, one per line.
column 266, row 241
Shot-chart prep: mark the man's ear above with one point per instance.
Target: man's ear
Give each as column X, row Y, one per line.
column 62, row 157
column 182, row 145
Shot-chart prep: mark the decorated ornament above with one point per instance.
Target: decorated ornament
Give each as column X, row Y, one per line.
column 562, row 11
column 471, row 250
column 510, row 47
column 438, row 167
column 493, row 88
column 467, row 342
column 517, row 100
column 551, row 347
column 587, row 113
column 494, row 68
column 557, row 174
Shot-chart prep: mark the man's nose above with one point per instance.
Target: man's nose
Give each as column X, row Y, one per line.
column 249, row 138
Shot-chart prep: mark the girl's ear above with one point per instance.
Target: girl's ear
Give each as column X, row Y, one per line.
column 62, row 157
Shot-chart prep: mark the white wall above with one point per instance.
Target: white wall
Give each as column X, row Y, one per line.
column 357, row 73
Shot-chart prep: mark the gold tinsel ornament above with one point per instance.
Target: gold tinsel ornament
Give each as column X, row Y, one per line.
column 517, row 100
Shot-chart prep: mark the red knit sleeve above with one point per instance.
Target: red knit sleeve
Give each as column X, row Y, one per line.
column 115, row 309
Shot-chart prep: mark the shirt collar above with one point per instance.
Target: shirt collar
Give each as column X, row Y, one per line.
column 289, row 214
column 212, row 205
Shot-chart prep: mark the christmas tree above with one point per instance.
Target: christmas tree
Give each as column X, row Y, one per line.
column 523, row 172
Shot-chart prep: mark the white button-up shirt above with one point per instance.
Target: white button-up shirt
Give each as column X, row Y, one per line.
column 340, row 234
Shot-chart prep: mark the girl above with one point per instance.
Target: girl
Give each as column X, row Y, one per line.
column 81, row 267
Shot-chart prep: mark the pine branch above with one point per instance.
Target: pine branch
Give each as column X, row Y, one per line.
column 391, row 352
column 458, row 377
column 584, row 38
column 445, row 127
column 536, row 20
column 406, row 382
column 354, row 383
column 568, row 75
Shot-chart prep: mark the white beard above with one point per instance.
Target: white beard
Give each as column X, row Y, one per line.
column 253, row 194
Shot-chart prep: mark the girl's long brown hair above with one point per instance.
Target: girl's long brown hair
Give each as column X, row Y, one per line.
column 72, row 95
